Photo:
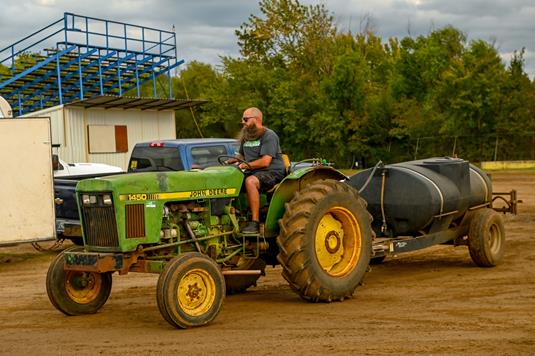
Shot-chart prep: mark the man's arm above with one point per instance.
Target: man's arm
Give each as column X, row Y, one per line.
column 262, row 162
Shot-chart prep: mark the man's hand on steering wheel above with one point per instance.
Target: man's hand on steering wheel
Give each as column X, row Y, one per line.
column 224, row 160
column 244, row 165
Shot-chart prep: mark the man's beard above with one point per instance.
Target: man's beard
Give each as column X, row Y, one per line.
column 251, row 133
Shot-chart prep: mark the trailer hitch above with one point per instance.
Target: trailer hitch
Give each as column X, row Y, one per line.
column 509, row 202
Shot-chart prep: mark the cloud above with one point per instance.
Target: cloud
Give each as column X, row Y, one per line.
column 477, row 8
column 205, row 28
column 46, row 2
column 507, row 23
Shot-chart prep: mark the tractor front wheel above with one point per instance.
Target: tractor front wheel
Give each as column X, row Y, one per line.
column 325, row 241
column 76, row 292
column 190, row 290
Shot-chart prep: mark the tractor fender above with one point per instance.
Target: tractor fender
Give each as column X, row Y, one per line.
column 285, row 190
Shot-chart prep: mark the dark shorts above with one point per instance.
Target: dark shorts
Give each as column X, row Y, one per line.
column 267, row 179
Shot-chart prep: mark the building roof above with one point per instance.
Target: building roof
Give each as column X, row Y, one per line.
column 186, row 141
column 127, row 102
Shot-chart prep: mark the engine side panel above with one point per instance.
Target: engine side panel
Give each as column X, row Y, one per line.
column 139, row 201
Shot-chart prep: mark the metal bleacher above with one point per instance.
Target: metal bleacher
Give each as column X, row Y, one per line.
column 79, row 57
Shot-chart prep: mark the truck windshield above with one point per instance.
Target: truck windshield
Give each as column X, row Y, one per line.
column 206, row 156
column 145, row 159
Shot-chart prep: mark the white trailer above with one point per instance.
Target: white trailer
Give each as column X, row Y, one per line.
column 26, row 181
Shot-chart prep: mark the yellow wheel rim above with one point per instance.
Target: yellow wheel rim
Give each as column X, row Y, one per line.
column 338, row 242
column 83, row 287
column 196, row 292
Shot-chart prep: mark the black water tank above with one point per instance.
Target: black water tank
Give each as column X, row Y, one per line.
column 417, row 191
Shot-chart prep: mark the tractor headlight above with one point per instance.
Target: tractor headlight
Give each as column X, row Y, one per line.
column 106, row 199
column 89, row 199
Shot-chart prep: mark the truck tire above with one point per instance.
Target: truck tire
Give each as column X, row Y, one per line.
column 325, row 241
column 78, row 240
column 75, row 292
column 239, row 284
column 486, row 238
column 190, row 290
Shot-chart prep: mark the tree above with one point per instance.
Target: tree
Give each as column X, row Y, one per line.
column 469, row 98
column 518, row 110
column 281, row 36
column 345, row 96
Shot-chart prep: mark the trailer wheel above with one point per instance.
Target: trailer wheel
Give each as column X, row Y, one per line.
column 190, row 290
column 236, row 284
column 325, row 241
column 75, row 292
column 486, row 238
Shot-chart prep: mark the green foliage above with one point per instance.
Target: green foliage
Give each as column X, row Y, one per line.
column 354, row 97
column 23, row 61
column 286, row 33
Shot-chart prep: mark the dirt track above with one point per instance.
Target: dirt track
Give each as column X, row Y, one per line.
column 434, row 301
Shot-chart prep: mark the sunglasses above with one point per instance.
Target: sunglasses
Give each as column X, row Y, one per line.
column 246, row 118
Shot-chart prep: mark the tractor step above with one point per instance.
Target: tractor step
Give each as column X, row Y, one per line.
column 246, row 272
column 249, row 235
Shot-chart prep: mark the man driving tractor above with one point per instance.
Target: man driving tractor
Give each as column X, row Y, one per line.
column 264, row 166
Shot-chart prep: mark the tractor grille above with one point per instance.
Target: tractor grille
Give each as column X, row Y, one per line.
column 135, row 220
column 100, row 227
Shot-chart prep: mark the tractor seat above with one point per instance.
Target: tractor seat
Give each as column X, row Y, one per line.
column 286, row 161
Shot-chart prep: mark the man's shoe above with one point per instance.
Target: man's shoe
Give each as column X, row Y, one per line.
column 252, row 227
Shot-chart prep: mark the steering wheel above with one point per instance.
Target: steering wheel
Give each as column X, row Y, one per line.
column 222, row 158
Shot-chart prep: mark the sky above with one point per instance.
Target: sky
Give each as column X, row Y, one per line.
column 206, row 28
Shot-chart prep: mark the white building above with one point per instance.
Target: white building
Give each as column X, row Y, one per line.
column 104, row 129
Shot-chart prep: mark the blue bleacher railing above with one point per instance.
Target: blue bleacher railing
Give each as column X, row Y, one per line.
column 78, row 57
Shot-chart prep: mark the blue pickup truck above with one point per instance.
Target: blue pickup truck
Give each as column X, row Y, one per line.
column 164, row 155
column 179, row 155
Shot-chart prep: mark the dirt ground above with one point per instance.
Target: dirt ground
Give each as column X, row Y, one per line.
column 434, row 301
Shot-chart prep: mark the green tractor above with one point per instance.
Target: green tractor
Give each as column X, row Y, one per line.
column 186, row 226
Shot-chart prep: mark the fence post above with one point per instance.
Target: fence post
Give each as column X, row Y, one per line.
column 454, row 146
column 496, row 149
column 416, row 150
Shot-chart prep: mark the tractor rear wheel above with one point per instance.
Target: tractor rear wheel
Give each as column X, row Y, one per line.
column 190, row 290
column 237, row 284
column 325, row 241
column 76, row 292
column 486, row 238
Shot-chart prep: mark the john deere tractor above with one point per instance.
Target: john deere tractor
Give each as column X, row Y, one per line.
column 186, row 226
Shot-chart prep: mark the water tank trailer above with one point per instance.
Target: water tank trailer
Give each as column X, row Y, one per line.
column 421, row 203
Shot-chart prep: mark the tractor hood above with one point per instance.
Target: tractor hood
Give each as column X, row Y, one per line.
column 212, row 182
